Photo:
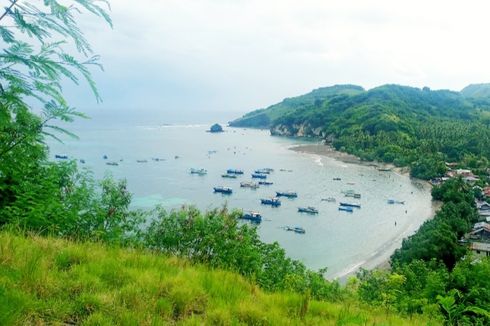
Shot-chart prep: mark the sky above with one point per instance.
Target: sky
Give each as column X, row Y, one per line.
column 176, row 58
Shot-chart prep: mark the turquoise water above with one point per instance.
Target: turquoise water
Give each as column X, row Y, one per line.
column 334, row 239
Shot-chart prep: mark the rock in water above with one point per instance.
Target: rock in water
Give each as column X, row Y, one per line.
column 216, row 128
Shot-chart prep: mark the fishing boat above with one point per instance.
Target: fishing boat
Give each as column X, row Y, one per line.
column 309, row 210
column 254, row 217
column 329, row 199
column 337, row 179
column 265, row 183
column 392, row 201
column 288, row 194
column 262, row 171
column 234, row 171
column 61, row 157
column 199, row 171
column 230, row 176
column 296, row 229
column 356, row 205
column 285, row 170
column 142, row 161
column 346, row 209
column 268, row 170
column 223, row 190
column 112, row 163
column 353, row 195
column 249, row 184
column 271, row 201
column 259, row 176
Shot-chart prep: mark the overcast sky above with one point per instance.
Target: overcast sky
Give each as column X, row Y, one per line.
column 237, row 55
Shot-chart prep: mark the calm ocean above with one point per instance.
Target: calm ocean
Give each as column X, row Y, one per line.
column 338, row 240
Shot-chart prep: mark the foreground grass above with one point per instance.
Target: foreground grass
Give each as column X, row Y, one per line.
column 52, row 281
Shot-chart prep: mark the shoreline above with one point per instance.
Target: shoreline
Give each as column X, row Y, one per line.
column 329, row 151
column 381, row 258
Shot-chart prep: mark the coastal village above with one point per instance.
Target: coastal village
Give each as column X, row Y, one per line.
column 478, row 239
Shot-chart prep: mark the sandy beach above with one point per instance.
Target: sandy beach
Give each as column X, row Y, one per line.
column 381, row 257
column 329, row 151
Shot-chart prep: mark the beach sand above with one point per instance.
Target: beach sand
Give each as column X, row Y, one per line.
column 380, row 258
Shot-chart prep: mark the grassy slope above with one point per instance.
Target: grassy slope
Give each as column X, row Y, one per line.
column 52, row 281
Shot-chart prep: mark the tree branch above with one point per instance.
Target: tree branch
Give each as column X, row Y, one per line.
column 8, row 9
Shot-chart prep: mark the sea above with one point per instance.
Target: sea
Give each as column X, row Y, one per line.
column 340, row 241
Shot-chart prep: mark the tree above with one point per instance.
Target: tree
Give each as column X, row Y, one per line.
column 34, row 62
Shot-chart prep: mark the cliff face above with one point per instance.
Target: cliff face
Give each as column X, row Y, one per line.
column 297, row 130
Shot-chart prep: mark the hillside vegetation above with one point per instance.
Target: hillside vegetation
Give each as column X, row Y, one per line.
column 52, row 281
column 395, row 124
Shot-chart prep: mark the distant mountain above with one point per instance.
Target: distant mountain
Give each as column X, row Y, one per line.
column 392, row 123
column 476, row 90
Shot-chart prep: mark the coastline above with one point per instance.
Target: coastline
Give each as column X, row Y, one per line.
column 381, row 258
column 329, row 151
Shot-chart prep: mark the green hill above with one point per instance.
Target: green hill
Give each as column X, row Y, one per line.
column 396, row 124
column 52, row 281
column 263, row 118
column 477, row 91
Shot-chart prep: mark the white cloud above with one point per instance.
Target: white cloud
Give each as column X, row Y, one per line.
column 240, row 55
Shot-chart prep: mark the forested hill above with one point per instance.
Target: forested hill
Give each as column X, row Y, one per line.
column 397, row 124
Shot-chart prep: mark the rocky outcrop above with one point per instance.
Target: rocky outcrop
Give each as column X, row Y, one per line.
column 216, row 128
column 297, row 130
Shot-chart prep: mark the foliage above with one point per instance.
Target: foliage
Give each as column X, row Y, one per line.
column 432, row 271
column 52, row 281
column 218, row 240
column 405, row 126
column 69, row 203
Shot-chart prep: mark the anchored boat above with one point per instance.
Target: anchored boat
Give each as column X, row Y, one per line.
column 259, row 176
column 230, row 176
column 234, row 171
column 223, row 190
column 288, row 194
column 265, row 183
column 356, row 205
column 329, row 199
column 353, row 195
column 199, row 171
column 346, row 209
column 271, row 201
column 248, row 184
column 392, row 201
column 309, row 210
column 296, row 229
column 254, row 217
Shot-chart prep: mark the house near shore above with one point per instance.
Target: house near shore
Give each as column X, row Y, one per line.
column 478, row 240
column 486, row 191
column 483, row 209
column 466, row 175
column 480, row 232
column 480, row 249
